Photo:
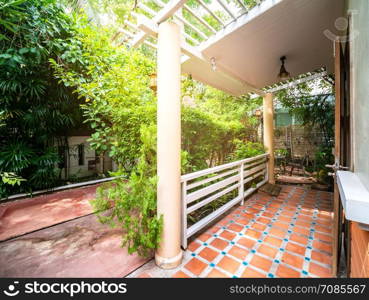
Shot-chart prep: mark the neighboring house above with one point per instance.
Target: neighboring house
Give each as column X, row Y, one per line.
column 80, row 160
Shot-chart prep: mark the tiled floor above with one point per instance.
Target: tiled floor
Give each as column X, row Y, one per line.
column 284, row 236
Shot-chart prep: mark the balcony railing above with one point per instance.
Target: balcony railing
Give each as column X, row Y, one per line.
column 235, row 180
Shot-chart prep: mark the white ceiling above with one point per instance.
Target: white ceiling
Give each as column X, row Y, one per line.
column 251, row 52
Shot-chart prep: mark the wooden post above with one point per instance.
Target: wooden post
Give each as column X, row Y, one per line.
column 268, row 116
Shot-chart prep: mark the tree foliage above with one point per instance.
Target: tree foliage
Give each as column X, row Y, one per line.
column 35, row 109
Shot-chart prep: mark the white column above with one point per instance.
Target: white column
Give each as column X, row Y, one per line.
column 169, row 254
column 268, row 115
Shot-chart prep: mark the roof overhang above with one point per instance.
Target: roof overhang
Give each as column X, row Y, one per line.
column 294, row 28
column 247, row 51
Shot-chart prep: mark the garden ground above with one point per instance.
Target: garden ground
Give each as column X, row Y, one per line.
column 57, row 235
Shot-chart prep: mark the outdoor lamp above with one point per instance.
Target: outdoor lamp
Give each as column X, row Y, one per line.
column 153, row 82
column 258, row 113
column 283, row 74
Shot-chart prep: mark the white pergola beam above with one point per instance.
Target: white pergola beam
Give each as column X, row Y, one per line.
column 169, row 10
column 225, row 7
column 296, row 82
column 147, row 9
column 162, row 15
column 242, row 4
column 210, row 12
column 203, row 35
column 150, row 28
column 198, row 18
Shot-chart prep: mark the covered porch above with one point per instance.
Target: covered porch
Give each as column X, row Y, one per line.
column 284, row 236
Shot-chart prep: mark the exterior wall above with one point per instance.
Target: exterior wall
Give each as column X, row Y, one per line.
column 299, row 139
column 91, row 164
column 73, row 165
column 359, row 251
column 360, row 86
column 360, row 98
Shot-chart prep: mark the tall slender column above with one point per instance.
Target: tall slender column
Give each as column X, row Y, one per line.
column 268, row 115
column 169, row 254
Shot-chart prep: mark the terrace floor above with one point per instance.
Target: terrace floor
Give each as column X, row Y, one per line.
column 284, row 236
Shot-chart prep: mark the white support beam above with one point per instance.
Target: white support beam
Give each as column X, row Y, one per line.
column 296, row 82
column 198, row 18
column 126, row 32
column 167, row 12
column 147, row 9
column 131, row 25
column 203, row 35
column 243, row 6
column 226, row 8
column 150, row 28
column 211, row 12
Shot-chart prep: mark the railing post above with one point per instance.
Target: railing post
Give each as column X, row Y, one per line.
column 184, row 214
column 268, row 115
column 267, row 170
column 241, row 188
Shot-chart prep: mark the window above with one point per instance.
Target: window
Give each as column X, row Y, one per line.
column 81, row 154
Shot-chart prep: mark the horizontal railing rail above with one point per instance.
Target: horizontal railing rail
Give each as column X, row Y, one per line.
column 203, row 187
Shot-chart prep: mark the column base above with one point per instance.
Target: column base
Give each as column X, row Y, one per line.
column 168, row 263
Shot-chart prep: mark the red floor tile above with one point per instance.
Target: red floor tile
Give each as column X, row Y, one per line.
column 235, row 227
column 286, row 272
column 228, row 235
column 299, row 239
column 261, row 263
column 208, row 254
column 321, row 257
column 246, row 242
column 273, row 241
column 292, row 260
column 180, row 274
column 322, row 246
column 219, row 244
column 278, row 232
column 296, row 248
column 238, row 252
column 204, row 237
column 193, row 246
column 228, row 264
column 195, row 266
column 216, row 274
column 251, row 273
column 319, row 270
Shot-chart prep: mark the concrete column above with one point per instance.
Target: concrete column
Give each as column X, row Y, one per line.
column 169, row 254
column 268, row 115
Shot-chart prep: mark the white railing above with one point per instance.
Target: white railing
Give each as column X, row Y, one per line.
column 205, row 186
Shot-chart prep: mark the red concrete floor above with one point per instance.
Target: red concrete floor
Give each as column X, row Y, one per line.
column 284, row 236
column 78, row 248
column 30, row 214
column 55, row 235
